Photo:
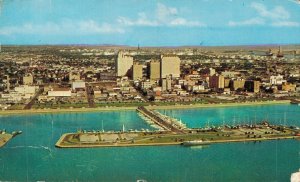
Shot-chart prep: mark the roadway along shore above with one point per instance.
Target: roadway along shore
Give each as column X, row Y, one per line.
column 177, row 106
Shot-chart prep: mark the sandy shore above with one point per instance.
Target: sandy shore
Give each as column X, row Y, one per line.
column 41, row 111
column 101, row 109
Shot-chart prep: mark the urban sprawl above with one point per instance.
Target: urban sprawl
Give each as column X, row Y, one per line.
column 53, row 77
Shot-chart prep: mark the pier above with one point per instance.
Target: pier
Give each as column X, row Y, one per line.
column 163, row 121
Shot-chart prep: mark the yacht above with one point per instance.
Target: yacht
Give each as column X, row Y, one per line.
column 195, row 142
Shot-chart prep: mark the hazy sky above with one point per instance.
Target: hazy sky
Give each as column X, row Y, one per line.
column 150, row 22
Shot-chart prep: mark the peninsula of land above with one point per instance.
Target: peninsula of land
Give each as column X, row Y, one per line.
column 173, row 132
column 226, row 134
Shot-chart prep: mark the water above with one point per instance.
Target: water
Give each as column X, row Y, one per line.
column 285, row 114
column 32, row 156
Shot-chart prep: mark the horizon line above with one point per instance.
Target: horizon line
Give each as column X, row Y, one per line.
column 166, row 46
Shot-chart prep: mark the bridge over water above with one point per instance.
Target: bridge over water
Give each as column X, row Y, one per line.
column 165, row 122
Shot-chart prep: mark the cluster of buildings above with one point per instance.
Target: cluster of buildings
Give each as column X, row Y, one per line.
column 70, row 78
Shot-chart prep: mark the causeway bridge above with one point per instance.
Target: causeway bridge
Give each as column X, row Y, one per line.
column 165, row 122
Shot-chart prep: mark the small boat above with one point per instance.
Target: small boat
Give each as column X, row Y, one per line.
column 195, row 142
column 15, row 133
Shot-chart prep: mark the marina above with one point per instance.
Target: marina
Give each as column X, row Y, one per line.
column 34, row 149
column 174, row 132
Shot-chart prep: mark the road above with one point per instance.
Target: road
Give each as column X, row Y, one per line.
column 33, row 99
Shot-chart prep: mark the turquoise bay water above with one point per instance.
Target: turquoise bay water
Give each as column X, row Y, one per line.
column 32, row 155
column 277, row 114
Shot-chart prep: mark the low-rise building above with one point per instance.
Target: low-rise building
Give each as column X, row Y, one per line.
column 60, row 92
column 78, row 85
column 289, row 87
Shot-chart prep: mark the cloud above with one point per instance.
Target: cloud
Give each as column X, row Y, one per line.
column 276, row 17
column 286, row 24
column 184, row 22
column 277, row 13
column 295, row 1
column 164, row 13
column 252, row 21
column 64, row 27
column 141, row 21
column 164, row 16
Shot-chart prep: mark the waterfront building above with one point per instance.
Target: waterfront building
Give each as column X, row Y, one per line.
column 137, row 71
column 123, row 64
column 19, row 93
column 216, row 81
column 166, row 83
column 28, row 79
column 154, row 70
column 289, row 87
column 237, row 84
column 170, row 65
column 252, row 86
column 277, row 80
column 227, row 82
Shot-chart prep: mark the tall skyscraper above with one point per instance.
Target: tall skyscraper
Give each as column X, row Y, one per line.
column 252, row 86
column 237, row 84
column 170, row 65
column 166, row 83
column 154, row 70
column 123, row 64
column 216, row 81
column 137, row 71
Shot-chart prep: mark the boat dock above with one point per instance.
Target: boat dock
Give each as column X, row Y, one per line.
column 163, row 121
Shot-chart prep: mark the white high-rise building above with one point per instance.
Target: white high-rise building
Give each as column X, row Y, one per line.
column 277, row 80
column 124, row 64
column 170, row 65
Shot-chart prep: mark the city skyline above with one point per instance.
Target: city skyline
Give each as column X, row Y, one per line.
column 150, row 23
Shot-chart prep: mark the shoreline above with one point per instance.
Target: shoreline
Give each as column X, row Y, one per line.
column 107, row 109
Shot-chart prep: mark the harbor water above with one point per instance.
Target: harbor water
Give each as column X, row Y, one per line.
column 32, row 155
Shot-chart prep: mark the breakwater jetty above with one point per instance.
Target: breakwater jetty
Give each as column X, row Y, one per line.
column 238, row 133
column 6, row 137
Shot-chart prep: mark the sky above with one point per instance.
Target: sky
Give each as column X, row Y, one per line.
column 150, row 22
